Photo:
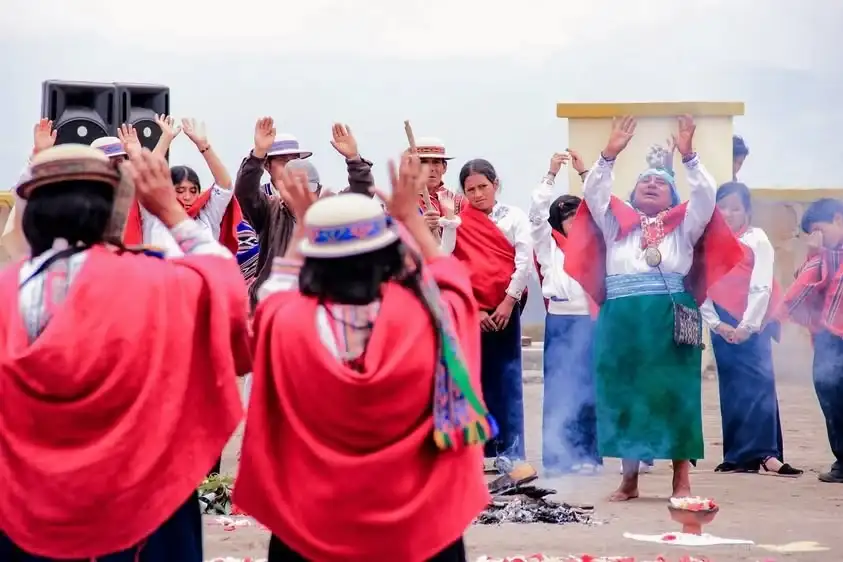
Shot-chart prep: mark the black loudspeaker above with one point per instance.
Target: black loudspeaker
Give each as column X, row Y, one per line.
column 81, row 111
column 138, row 104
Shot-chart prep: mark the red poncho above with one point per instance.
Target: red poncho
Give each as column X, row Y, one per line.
column 112, row 416
column 487, row 253
column 814, row 299
column 340, row 465
column 715, row 253
column 732, row 291
column 133, row 235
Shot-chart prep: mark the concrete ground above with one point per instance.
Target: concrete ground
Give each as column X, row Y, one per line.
column 765, row 509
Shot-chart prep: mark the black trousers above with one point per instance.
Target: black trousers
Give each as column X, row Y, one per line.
column 280, row 552
column 828, row 384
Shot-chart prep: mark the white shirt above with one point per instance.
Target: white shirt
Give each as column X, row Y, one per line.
column 515, row 226
column 209, row 218
column 760, row 283
column 626, row 256
column 565, row 296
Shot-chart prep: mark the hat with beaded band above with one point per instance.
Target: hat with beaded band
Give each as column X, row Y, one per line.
column 346, row 225
column 110, row 146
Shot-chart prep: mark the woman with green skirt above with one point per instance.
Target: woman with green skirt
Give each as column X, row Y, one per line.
column 648, row 264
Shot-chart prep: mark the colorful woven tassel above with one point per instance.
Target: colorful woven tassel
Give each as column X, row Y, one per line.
column 460, row 417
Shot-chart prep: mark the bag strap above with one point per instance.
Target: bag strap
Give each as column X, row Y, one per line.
column 664, row 280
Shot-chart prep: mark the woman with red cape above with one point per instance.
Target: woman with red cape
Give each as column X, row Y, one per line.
column 740, row 313
column 117, row 369
column 648, row 264
column 364, row 429
column 493, row 241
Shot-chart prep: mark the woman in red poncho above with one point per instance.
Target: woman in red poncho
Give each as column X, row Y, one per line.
column 364, row 425
column 493, row 240
column 117, row 369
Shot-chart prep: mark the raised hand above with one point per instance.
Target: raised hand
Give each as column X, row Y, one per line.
column 407, row 180
column 195, row 131
column 129, row 137
column 447, row 202
column 576, row 162
column 558, row 160
column 168, row 126
column 623, row 130
column 293, row 188
column 685, row 137
column 344, row 141
column 264, row 136
column 154, row 188
column 43, row 136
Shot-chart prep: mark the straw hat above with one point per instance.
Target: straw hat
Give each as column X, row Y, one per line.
column 287, row 144
column 110, row 146
column 432, row 147
column 68, row 162
column 346, row 225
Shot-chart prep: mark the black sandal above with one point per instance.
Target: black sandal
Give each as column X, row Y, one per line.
column 726, row 467
column 785, row 470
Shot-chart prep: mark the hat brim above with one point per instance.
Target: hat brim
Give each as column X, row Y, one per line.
column 435, row 157
column 303, row 154
column 349, row 249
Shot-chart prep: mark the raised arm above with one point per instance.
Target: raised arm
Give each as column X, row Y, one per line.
column 597, row 187
column 701, row 202
column 540, row 200
column 169, row 131
column 760, row 282
column 247, row 187
column 360, row 178
column 197, row 133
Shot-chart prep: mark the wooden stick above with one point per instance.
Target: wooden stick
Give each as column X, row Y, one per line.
column 411, row 140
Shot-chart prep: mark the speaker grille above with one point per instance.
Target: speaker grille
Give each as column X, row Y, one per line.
column 148, row 132
column 79, row 131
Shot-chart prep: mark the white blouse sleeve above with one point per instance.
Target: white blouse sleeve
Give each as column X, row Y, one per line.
column 709, row 315
column 701, row 201
column 449, row 233
column 523, row 254
column 540, row 230
column 761, row 280
column 597, row 193
column 214, row 209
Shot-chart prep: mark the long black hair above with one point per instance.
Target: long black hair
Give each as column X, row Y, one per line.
column 562, row 208
column 180, row 173
column 477, row 166
column 77, row 211
column 736, row 188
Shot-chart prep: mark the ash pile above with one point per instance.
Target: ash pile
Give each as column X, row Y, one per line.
column 515, row 499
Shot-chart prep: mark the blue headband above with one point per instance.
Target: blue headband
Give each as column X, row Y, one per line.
column 665, row 175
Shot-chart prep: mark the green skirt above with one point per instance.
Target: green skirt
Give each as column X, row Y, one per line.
column 648, row 388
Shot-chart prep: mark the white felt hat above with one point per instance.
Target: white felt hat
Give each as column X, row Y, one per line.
column 110, row 146
column 346, row 225
column 287, row 144
column 432, row 147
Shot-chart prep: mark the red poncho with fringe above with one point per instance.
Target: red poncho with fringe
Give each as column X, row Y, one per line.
column 341, row 465
column 715, row 254
column 814, row 300
column 133, row 235
column 117, row 410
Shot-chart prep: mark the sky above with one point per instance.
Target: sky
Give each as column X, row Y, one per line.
column 483, row 75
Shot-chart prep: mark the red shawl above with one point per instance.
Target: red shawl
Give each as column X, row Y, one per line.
column 732, row 290
column 487, row 253
column 110, row 419
column 561, row 241
column 359, row 444
column 814, row 300
column 133, row 235
column 715, row 254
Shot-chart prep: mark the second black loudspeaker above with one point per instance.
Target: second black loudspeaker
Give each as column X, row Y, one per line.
column 138, row 104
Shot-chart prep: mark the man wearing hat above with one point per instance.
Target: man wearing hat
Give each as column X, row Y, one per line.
column 264, row 208
column 432, row 152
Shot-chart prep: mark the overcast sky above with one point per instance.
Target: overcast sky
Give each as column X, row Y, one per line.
column 483, row 75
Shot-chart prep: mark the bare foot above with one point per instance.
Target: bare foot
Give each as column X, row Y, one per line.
column 628, row 490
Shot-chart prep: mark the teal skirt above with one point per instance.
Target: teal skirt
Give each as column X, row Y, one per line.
column 648, row 388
